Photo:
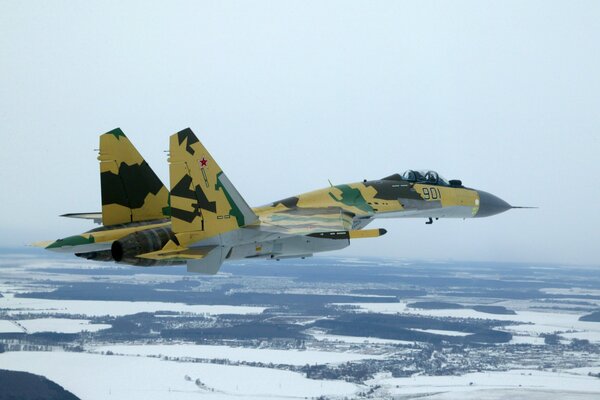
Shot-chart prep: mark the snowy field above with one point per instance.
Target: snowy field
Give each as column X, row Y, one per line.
column 7, row 326
column 291, row 357
column 441, row 332
column 60, row 325
column 96, row 377
column 137, row 371
column 572, row 291
column 21, row 305
column 531, row 323
column 515, row 384
column 321, row 336
column 526, row 339
column 92, row 377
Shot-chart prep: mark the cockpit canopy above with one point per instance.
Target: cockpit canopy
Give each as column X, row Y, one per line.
column 424, row 176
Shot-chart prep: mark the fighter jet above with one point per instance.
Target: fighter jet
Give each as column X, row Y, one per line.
column 205, row 221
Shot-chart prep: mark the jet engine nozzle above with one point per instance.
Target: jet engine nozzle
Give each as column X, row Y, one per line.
column 126, row 249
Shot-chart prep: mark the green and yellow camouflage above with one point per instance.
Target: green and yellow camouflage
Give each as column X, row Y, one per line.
column 204, row 221
column 131, row 191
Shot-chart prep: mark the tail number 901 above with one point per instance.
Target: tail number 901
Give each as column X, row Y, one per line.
column 431, row 193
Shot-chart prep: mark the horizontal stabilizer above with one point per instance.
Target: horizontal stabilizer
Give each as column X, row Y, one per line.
column 95, row 216
column 210, row 264
column 201, row 260
column 42, row 244
column 172, row 252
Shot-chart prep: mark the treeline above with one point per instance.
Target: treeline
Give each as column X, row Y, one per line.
column 222, row 296
column 402, row 327
column 593, row 317
column 440, row 305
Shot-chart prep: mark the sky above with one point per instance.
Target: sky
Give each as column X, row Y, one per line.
column 504, row 95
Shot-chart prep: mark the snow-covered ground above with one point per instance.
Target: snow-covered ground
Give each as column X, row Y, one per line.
column 149, row 377
column 92, row 376
column 531, row 323
column 510, row 394
column 442, row 332
column 291, row 357
column 62, row 325
column 591, row 336
column 572, row 291
column 486, row 385
column 527, row 339
column 22, row 305
column 355, row 339
column 7, row 326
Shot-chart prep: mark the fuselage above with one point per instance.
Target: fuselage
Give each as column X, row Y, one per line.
column 386, row 198
column 350, row 207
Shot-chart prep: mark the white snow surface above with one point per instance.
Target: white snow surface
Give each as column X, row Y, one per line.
column 571, row 380
column 533, row 340
column 97, row 377
column 591, row 336
column 22, row 305
column 61, row 325
column 9, row 327
column 291, row 357
column 356, row 339
column 513, row 394
column 442, row 332
column 531, row 323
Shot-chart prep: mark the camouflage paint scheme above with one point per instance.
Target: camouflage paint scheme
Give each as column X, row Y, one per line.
column 131, row 191
column 205, row 221
column 133, row 200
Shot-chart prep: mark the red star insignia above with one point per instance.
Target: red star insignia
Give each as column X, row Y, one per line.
column 203, row 162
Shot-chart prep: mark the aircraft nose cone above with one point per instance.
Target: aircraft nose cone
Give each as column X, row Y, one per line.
column 490, row 205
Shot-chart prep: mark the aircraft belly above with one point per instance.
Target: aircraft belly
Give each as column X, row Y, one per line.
column 298, row 246
column 442, row 212
column 239, row 237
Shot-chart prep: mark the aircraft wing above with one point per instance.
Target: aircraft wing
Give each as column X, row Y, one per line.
column 305, row 221
column 330, row 222
column 95, row 216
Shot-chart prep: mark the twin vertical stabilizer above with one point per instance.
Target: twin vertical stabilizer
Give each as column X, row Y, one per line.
column 131, row 191
column 204, row 203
